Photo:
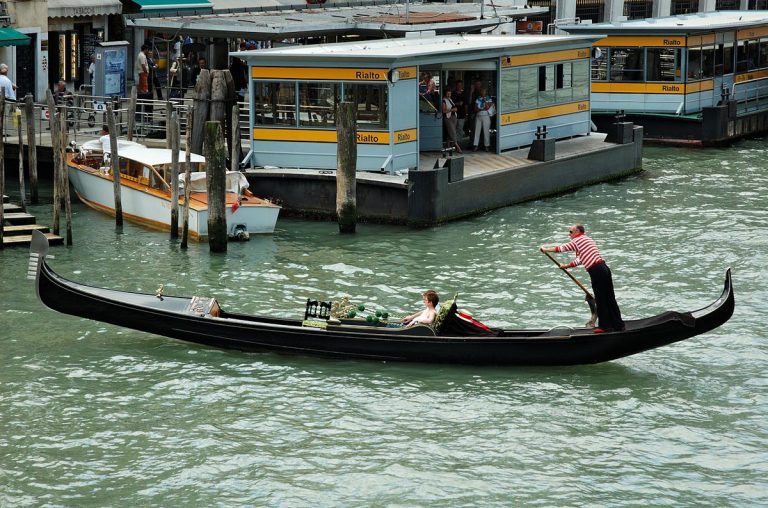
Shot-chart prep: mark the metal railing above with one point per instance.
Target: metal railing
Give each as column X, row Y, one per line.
column 86, row 114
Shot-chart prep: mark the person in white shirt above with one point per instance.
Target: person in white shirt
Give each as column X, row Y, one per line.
column 106, row 145
column 92, row 72
column 426, row 316
column 8, row 86
column 142, row 70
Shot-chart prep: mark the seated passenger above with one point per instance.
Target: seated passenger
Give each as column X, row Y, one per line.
column 426, row 316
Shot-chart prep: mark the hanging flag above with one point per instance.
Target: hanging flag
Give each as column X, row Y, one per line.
column 235, row 205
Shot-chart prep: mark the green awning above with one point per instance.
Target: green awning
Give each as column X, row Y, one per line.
column 154, row 6
column 11, row 37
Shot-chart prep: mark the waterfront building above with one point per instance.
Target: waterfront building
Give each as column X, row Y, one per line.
column 689, row 79
column 23, row 33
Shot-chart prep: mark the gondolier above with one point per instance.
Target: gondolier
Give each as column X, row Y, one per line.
column 587, row 254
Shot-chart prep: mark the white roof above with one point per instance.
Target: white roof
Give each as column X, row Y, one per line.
column 409, row 47
column 674, row 24
column 141, row 153
column 154, row 156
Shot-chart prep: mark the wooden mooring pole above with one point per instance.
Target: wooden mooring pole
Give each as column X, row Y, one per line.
column 131, row 115
column 234, row 162
column 187, row 179
column 64, row 173
column 216, row 180
column 346, row 167
column 29, row 112
column 168, row 124
column 200, row 109
column 22, row 188
column 53, row 122
column 115, row 166
column 173, row 121
column 2, row 169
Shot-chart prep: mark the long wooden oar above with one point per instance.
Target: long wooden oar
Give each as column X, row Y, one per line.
column 589, row 298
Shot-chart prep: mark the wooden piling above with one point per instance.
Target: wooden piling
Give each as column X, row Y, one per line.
column 115, row 167
column 235, row 151
column 230, row 101
column 168, row 126
column 2, row 167
column 346, row 167
column 187, row 179
column 64, row 174
column 218, row 111
column 53, row 122
column 131, row 114
column 173, row 120
column 29, row 112
column 200, row 109
column 216, row 180
column 22, row 188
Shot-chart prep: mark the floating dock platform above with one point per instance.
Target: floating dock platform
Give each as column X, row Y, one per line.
column 459, row 186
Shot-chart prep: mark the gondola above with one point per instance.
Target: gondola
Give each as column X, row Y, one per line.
column 457, row 339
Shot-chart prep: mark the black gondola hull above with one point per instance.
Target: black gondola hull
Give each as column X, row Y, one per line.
column 170, row 316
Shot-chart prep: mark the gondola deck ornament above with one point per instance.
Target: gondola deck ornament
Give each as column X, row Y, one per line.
column 457, row 339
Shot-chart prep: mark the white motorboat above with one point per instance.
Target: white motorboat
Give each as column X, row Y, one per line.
column 146, row 191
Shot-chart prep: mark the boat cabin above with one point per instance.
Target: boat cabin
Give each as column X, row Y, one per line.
column 535, row 81
column 678, row 66
column 150, row 167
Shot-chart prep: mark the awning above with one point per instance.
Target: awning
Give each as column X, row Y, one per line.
column 11, row 37
column 153, row 6
column 80, row 8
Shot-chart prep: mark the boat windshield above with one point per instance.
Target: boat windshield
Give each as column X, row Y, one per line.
column 166, row 171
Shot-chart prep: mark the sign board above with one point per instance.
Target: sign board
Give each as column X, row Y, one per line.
column 111, row 69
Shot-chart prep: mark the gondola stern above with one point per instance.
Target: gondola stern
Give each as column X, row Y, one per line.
column 38, row 251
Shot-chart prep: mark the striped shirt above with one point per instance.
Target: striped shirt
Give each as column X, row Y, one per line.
column 586, row 251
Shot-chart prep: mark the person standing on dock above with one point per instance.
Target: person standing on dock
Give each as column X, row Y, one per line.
column 8, row 86
column 587, row 254
column 450, row 120
column 483, row 113
column 142, row 70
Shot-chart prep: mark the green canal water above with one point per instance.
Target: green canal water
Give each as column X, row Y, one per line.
column 94, row 415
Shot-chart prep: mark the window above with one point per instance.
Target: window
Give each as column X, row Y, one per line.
column 599, row 64
column 694, row 63
column 742, row 64
column 626, row 64
column 318, row 103
column 275, row 103
column 546, row 84
column 728, row 58
column 510, row 89
column 529, row 87
column 753, row 55
column 371, row 101
column 663, row 64
column 278, row 102
column 563, row 82
column 580, row 80
column 708, row 61
column 763, row 62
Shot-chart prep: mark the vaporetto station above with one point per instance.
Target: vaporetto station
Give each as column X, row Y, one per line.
column 294, row 92
column 536, row 82
column 692, row 79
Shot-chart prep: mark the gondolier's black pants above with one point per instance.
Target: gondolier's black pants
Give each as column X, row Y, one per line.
column 608, row 313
